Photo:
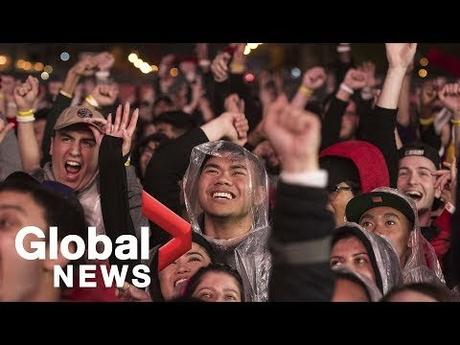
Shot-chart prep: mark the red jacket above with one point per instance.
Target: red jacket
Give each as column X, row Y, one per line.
column 441, row 241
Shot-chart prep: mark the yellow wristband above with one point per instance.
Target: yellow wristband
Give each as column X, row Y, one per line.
column 426, row 122
column 23, row 119
column 455, row 122
column 26, row 113
column 306, row 91
column 66, row 94
column 90, row 99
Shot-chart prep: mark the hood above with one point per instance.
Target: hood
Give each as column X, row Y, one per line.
column 258, row 181
column 368, row 159
column 384, row 259
column 422, row 264
column 249, row 252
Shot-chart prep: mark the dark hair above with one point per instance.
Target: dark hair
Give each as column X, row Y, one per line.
column 141, row 145
column 163, row 98
column 157, row 137
column 254, row 165
column 178, row 119
column 436, row 291
column 219, row 268
column 345, row 275
column 64, row 213
column 341, row 169
column 226, row 147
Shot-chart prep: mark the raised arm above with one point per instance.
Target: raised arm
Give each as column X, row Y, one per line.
column 400, row 57
column 332, row 122
column 312, row 80
column 450, row 97
column 300, row 239
column 404, row 118
column 378, row 127
column 25, row 96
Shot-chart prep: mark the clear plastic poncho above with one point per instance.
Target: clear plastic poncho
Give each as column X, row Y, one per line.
column 248, row 254
column 386, row 258
column 422, row 264
column 372, row 290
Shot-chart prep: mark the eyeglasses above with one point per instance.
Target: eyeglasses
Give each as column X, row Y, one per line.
column 338, row 188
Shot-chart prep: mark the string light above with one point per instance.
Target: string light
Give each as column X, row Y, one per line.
column 174, row 72
column 138, row 63
column 27, row 65
column 48, row 69
column 38, row 66
column 296, row 72
column 142, row 65
column 44, row 75
column 65, row 56
column 133, row 57
column 422, row 73
column 249, row 47
column 35, row 66
column 20, row 63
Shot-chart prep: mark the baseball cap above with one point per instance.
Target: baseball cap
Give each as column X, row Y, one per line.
column 357, row 206
column 422, row 150
column 78, row 114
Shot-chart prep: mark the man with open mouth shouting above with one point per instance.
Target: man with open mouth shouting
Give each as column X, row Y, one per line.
column 420, row 178
column 75, row 158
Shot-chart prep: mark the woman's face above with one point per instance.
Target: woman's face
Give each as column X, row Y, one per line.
column 351, row 253
column 218, row 287
column 175, row 276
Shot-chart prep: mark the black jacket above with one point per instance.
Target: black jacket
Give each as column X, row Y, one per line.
column 377, row 128
column 114, row 195
column 332, row 122
column 300, row 245
column 165, row 170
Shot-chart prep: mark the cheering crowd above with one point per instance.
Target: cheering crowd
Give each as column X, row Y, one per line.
column 343, row 190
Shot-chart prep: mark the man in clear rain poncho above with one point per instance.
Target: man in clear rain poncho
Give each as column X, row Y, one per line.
column 226, row 195
column 393, row 215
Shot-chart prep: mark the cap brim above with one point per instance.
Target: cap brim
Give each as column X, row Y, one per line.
column 357, row 206
column 96, row 125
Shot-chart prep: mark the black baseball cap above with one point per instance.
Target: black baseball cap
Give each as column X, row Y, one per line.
column 357, row 206
column 422, row 150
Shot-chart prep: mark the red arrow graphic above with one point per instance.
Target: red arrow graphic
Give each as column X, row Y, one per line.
column 178, row 228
